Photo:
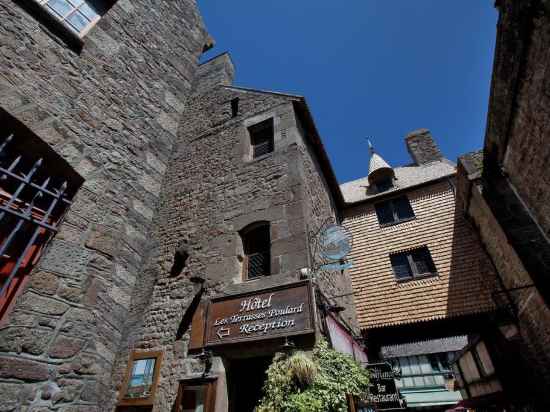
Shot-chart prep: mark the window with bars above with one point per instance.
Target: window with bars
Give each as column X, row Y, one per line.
column 34, row 196
column 78, row 15
column 262, row 138
column 413, row 264
column 257, row 250
column 394, row 211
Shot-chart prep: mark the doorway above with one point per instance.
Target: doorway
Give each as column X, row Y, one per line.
column 246, row 379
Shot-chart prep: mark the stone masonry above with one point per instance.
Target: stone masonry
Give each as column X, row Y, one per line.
column 111, row 108
column 213, row 189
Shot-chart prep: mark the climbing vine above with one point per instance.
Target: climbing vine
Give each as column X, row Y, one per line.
column 316, row 383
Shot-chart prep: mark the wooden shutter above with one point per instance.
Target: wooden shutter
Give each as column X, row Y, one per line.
column 196, row 340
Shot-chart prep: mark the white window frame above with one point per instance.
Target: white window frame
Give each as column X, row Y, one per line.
column 74, row 9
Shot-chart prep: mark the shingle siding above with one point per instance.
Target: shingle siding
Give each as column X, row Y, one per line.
column 458, row 288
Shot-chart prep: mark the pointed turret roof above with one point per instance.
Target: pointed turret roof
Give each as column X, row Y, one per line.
column 377, row 165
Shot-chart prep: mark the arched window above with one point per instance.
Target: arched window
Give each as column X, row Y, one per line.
column 257, row 250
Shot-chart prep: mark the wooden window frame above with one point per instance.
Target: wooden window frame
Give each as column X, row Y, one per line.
column 396, row 219
column 148, row 401
column 63, row 19
column 210, row 383
column 415, row 274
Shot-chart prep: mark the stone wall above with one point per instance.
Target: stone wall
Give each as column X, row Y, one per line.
column 515, row 172
column 533, row 315
column 111, row 109
column 213, row 189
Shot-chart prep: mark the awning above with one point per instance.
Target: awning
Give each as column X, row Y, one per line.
column 424, row 347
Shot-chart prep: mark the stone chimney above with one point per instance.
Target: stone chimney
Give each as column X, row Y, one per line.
column 422, row 147
column 218, row 70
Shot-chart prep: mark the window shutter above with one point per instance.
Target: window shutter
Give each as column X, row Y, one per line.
column 403, row 208
column 400, row 265
column 384, row 213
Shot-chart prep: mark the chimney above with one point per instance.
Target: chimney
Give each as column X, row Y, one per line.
column 218, row 70
column 422, row 147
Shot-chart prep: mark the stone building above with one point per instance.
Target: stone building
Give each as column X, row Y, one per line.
column 503, row 191
column 419, row 273
column 138, row 186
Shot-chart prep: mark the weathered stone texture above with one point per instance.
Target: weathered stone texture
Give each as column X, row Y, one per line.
column 514, row 213
column 212, row 190
column 533, row 313
column 112, row 112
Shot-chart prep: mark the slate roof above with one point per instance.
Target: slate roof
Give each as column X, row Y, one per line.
column 451, row 344
column 405, row 177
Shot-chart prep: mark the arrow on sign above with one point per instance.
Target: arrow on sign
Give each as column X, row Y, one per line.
column 222, row 332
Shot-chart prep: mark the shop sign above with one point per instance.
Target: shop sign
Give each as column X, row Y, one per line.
column 266, row 314
column 382, row 390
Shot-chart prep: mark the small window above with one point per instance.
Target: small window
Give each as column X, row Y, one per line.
column 234, row 107
column 384, row 184
column 142, row 379
column 394, row 211
column 261, row 138
column 78, row 15
column 257, row 250
column 413, row 264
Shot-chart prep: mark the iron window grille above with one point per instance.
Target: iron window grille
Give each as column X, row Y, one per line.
column 262, row 138
column 413, row 264
column 393, row 211
column 32, row 204
column 79, row 15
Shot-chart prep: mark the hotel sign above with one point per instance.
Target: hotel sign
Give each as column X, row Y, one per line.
column 265, row 314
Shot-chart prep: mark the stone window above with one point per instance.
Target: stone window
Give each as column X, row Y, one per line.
column 79, row 15
column 262, row 138
column 36, row 186
column 393, row 211
column 234, row 107
column 413, row 264
column 257, row 249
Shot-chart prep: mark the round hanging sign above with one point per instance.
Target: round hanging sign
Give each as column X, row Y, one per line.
column 335, row 242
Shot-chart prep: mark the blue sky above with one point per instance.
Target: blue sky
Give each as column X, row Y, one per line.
column 368, row 68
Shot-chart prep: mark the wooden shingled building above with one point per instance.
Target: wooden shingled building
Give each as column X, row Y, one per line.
column 419, row 272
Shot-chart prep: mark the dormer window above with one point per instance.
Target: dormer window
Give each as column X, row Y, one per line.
column 384, row 183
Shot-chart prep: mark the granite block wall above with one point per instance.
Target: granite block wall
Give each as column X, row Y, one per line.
column 111, row 108
column 213, row 188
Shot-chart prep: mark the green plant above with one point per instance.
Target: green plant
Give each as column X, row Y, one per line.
column 318, row 384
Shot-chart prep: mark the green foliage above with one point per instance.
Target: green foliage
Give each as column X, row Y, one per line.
column 319, row 384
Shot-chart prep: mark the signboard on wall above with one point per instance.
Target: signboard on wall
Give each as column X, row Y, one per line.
column 382, row 390
column 266, row 314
